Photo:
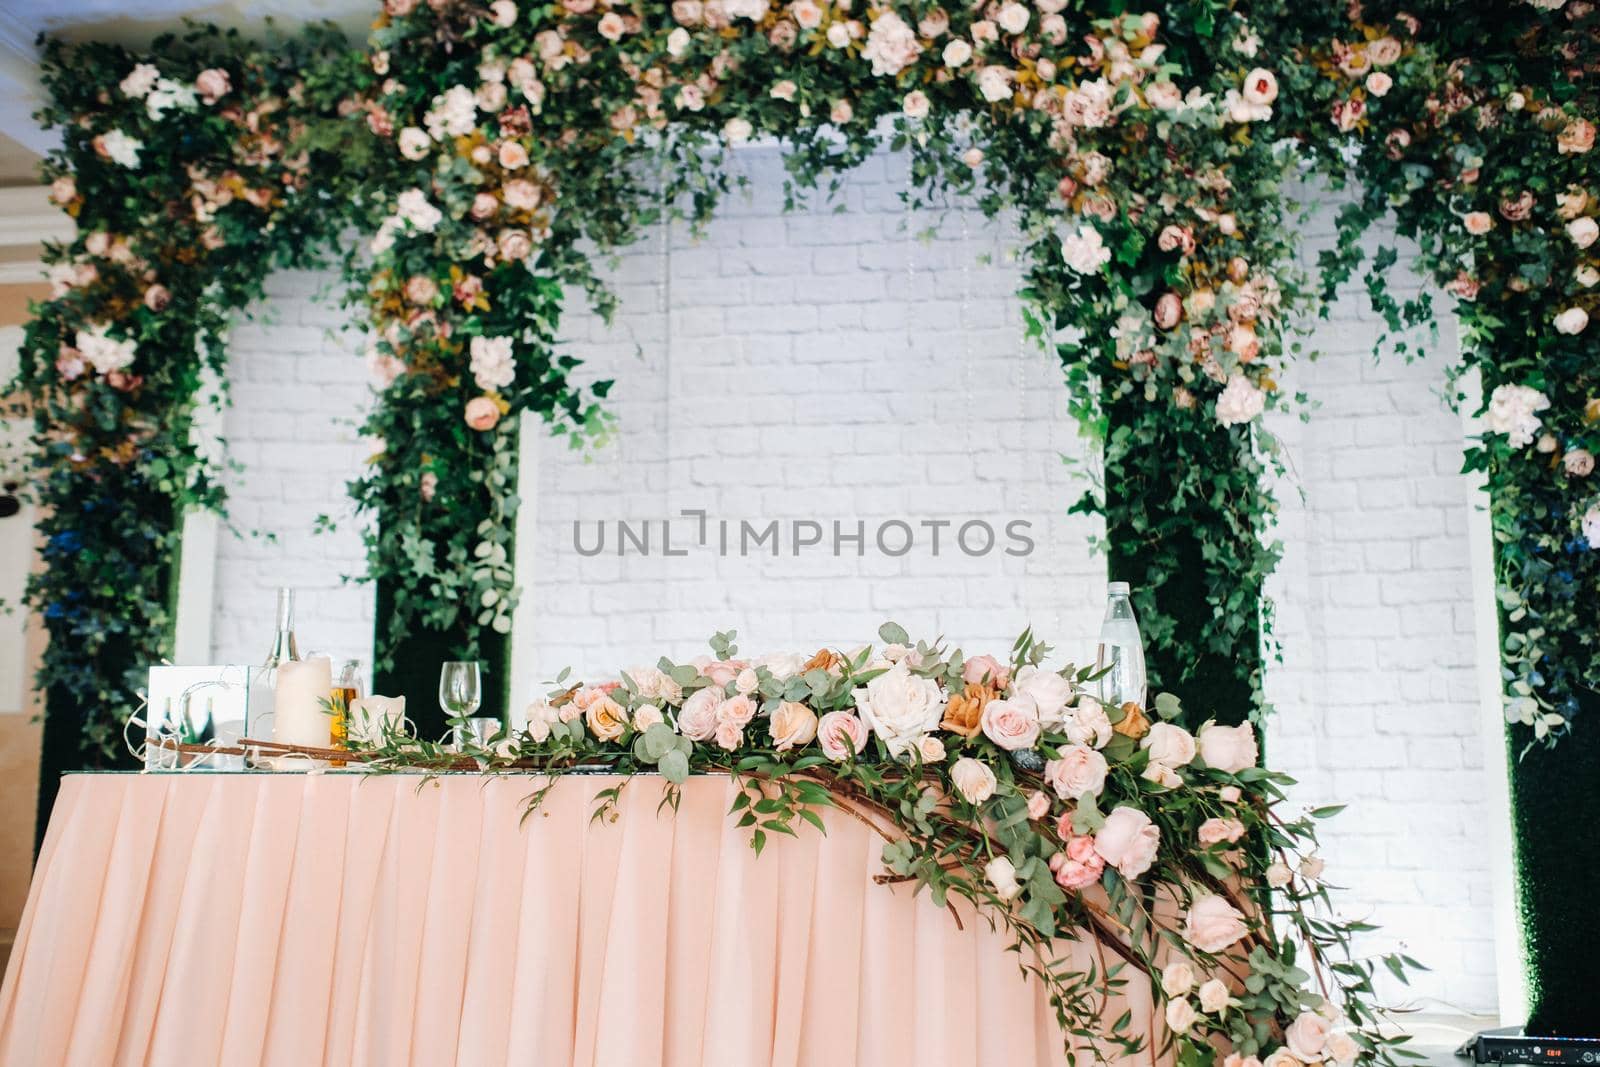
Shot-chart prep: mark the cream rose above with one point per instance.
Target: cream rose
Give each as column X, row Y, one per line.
column 1229, row 749
column 1213, row 997
column 900, row 707
column 1583, row 231
column 1572, row 321
column 1279, row 875
column 1080, row 772
column 1088, row 724
column 1003, row 876
column 973, row 780
column 1180, row 1016
column 1169, row 745
column 1177, row 978
column 1128, row 841
column 605, row 718
column 1212, row 924
column 1307, row 1036
column 1050, row 693
column 1342, row 1049
column 792, row 725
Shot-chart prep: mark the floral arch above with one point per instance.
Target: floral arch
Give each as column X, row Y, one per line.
column 487, row 148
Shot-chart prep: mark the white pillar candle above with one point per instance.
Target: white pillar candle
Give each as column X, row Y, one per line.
column 299, row 703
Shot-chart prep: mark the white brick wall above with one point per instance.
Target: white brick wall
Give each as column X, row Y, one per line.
column 834, row 366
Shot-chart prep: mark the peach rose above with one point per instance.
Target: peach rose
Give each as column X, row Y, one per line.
column 1478, row 223
column 1080, row 772
column 1576, row 137
column 1229, row 749
column 212, row 84
column 605, row 718
column 738, row 710
column 513, row 156
column 1177, row 979
column 1212, row 924
column 482, row 413
column 1180, row 1016
column 930, row 749
column 728, row 735
column 1128, row 841
column 792, row 724
column 1168, row 311
column 973, row 780
column 1012, row 724
column 1213, row 997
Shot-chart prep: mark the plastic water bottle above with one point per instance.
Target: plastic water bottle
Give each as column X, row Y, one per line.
column 1121, row 649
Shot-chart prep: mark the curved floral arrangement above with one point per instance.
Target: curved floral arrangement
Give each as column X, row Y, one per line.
column 1007, row 784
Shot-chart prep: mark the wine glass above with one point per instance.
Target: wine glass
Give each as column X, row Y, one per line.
column 460, row 693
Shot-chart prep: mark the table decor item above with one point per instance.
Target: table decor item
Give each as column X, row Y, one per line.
column 1122, row 829
column 302, row 702
column 1120, row 657
column 284, row 649
column 195, row 705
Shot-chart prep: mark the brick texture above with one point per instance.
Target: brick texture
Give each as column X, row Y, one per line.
column 867, row 365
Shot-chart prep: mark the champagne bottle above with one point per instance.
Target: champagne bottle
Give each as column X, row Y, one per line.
column 284, row 650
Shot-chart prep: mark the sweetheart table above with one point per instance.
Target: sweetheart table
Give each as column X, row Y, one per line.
column 341, row 918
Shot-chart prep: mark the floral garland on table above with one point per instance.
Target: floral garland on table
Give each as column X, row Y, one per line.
column 1475, row 127
column 523, row 134
column 1006, row 784
column 189, row 175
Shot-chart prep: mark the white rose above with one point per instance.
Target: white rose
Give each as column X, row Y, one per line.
column 1169, row 745
column 1281, row 1058
column 1003, row 876
column 1311, row 867
column 1590, row 524
column 1229, row 749
column 1213, row 997
column 782, row 665
column 1572, row 321
column 1180, row 1016
column 1013, row 18
column 1087, row 724
column 1307, row 1036
column 994, row 84
column 414, row 208
column 1085, row 251
column 973, row 780
column 677, row 42
column 746, row 682
column 1583, row 231
column 120, row 148
column 915, row 104
column 414, row 143
column 647, row 716
column 140, row 80
column 957, row 52
column 900, row 707
column 1048, row 690
column 1240, row 401
column 838, row 35
column 1177, row 979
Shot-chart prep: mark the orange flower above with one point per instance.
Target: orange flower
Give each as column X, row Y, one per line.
column 964, row 714
column 1133, row 723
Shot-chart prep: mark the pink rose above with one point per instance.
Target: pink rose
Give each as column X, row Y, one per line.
column 63, row 191
column 1078, row 865
column 1038, row 805
column 1347, row 113
column 429, row 486
column 482, row 413
column 1176, row 239
column 1169, row 745
column 213, row 84
column 1576, row 137
column 1012, row 724
column 1216, row 831
column 835, row 729
column 1128, row 841
column 722, row 672
column 729, row 735
column 514, row 245
column 503, row 13
column 1080, row 772
column 421, row 289
column 1229, row 749
column 1168, row 311
column 523, row 194
column 1579, row 462
column 1477, row 223
column 70, row 364
column 1517, row 208
column 156, row 298
column 697, row 720
column 738, row 710
column 1212, row 924
column 985, row 670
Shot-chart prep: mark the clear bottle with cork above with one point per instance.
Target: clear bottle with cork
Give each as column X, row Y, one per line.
column 1121, row 653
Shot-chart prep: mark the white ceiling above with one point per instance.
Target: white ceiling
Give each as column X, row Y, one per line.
column 130, row 22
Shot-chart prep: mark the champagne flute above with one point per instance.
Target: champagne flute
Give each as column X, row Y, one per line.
column 460, row 692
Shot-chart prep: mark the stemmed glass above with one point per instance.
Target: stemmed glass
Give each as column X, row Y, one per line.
column 460, row 693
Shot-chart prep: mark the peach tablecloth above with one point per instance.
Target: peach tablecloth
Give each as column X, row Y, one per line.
column 187, row 919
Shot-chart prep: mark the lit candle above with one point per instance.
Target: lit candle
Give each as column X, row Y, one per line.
column 299, row 705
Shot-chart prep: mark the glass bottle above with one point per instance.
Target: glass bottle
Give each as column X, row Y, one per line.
column 264, row 683
column 346, row 691
column 1121, row 650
